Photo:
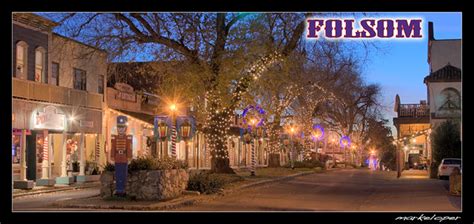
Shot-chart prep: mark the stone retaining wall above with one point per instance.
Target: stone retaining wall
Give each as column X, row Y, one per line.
column 148, row 184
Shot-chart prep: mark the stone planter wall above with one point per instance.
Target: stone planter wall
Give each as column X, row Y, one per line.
column 148, row 184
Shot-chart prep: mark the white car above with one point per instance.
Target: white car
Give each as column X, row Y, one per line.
column 447, row 165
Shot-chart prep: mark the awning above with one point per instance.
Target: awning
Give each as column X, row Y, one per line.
column 145, row 119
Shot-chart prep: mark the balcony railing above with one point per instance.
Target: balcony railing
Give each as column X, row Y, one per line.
column 413, row 110
column 55, row 94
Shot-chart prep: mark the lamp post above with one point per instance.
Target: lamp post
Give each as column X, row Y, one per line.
column 317, row 134
column 292, row 130
column 253, row 118
column 185, row 133
column 345, row 141
column 253, row 123
column 173, row 108
column 333, row 141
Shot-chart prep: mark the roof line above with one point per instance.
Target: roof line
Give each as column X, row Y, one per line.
column 79, row 42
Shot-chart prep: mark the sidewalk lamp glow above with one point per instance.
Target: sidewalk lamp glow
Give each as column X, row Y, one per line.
column 318, row 133
column 345, row 141
column 173, row 107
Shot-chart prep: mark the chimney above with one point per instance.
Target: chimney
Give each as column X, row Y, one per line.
column 430, row 31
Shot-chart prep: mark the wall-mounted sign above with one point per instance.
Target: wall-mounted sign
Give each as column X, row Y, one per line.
column 49, row 119
column 150, row 100
column 126, row 96
column 87, row 124
column 18, row 131
column 123, row 87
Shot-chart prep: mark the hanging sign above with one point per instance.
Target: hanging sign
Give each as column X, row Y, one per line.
column 48, row 119
column 86, row 124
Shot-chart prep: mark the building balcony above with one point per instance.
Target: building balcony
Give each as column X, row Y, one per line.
column 31, row 90
column 413, row 110
column 120, row 100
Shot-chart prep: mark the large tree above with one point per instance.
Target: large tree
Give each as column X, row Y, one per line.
column 227, row 51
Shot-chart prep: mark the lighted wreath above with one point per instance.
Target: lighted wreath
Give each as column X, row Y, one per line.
column 253, row 115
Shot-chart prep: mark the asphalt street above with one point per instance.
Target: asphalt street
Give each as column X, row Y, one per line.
column 335, row 190
column 44, row 201
column 341, row 190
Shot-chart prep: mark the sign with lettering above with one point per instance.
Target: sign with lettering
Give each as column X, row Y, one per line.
column 126, row 96
column 151, row 100
column 87, row 124
column 49, row 119
column 123, row 87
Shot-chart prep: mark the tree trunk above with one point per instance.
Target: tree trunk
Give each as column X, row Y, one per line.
column 218, row 126
column 221, row 165
column 274, row 160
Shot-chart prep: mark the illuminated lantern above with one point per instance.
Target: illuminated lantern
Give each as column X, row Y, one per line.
column 185, row 129
column 162, row 130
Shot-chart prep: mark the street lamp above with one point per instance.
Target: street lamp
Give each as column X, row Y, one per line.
column 253, row 118
column 345, row 141
column 317, row 134
column 291, row 131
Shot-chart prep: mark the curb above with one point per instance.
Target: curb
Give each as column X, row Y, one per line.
column 153, row 207
column 52, row 191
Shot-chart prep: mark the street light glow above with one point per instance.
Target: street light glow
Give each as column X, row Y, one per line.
column 173, row 107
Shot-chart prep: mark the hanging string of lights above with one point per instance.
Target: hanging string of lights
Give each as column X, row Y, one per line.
column 413, row 136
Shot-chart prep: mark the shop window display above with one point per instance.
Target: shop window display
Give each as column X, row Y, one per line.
column 16, row 155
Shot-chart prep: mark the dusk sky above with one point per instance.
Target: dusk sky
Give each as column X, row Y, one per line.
column 401, row 66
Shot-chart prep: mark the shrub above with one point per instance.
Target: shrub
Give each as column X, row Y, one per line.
column 142, row 163
column 109, row 167
column 446, row 143
column 149, row 163
column 305, row 164
column 208, row 183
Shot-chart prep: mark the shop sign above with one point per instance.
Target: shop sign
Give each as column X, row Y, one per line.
column 87, row 124
column 126, row 96
column 18, row 131
column 123, row 87
column 48, row 119
column 152, row 100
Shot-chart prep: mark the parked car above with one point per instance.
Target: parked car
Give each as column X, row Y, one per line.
column 447, row 165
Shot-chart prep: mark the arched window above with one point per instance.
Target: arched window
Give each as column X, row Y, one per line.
column 40, row 65
column 21, row 59
column 450, row 99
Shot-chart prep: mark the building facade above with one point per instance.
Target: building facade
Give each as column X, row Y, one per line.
column 58, row 99
column 414, row 122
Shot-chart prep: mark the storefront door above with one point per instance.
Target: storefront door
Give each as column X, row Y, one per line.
column 31, row 156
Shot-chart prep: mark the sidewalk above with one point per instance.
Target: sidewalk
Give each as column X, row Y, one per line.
column 121, row 204
column 44, row 189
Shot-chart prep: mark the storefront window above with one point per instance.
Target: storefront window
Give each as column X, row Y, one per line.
column 16, row 153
